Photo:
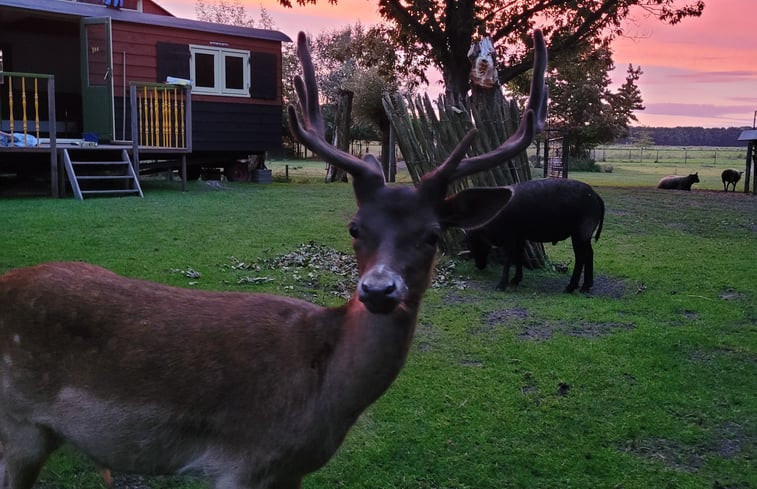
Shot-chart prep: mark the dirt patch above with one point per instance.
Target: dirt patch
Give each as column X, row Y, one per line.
column 504, row 316
column 530, row 329
column 668, row 452
column 731, row 294
column 554, row 283
column 545, row 330
column 726, row 440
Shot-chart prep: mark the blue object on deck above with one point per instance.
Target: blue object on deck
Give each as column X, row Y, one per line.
column 17, row 139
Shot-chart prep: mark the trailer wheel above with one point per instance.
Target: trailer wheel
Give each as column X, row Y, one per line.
column 237, row 172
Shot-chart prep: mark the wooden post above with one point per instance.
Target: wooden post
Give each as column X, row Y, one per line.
column 748, row 169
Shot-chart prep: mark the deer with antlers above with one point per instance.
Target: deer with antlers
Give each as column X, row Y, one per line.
column 249, row 390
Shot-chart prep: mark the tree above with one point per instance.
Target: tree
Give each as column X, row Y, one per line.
column 583, row 107
column 223, row 12
column 365, row 62
column 444, row 29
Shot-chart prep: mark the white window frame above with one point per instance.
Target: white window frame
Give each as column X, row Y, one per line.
column 219, row 63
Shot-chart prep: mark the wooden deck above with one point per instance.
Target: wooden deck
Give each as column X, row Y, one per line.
column 56, row 161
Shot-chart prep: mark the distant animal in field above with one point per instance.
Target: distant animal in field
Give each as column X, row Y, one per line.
column 730, row 177
column 673, row 182
column 545, row 211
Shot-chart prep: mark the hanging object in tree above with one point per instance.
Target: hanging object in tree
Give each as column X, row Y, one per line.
column 481, row 55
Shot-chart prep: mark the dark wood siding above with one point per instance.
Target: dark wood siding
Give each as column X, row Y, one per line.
column 236, row 127
column 224, row 127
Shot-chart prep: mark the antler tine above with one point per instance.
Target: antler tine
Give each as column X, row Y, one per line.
column 310, row 130
column 447, row 168
column 531, row 123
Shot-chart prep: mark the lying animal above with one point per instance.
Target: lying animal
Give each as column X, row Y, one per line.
column 730, row 177
column 545, row 211
column 673, row 182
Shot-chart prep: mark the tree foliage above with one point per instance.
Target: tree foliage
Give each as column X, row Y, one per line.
column 583, row 107
column 445, row 28
column 365, row 62
column 441, row 31
column 231, row 12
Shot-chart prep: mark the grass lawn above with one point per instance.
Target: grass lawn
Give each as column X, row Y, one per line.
column 649, row 382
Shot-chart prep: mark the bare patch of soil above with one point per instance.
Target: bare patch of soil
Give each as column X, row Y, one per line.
column 555, row 283
column 726, row 441
column 531, row 329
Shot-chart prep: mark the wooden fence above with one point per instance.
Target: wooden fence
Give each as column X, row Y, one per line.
column 426, row 133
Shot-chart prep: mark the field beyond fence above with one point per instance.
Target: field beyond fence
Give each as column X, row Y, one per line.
column 622, row 165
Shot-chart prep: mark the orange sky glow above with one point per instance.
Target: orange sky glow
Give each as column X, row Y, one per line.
column 701, row 72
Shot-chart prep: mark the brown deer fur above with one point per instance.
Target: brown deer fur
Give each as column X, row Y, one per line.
column 250, row 390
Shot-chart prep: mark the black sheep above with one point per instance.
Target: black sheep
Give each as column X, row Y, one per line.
column 730, row 177
column 673, row 182
column 549, row 210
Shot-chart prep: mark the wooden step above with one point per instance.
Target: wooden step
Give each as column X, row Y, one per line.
column 128, row 178
column 105, row 177
column 100, row 163
column 114, row 191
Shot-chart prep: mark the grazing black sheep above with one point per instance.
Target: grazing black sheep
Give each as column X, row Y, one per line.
column 673, row 182
column 730, row 177
column 545, row 211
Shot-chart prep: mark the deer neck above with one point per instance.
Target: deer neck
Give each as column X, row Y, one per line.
column 368, row 356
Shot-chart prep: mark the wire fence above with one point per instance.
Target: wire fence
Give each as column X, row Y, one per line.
column 669, row 154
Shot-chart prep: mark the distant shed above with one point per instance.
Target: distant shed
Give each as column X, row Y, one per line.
column 750, row 136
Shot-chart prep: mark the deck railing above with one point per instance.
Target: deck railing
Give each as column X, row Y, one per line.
column 161, row 116
column 161, row 119
column 19, row 105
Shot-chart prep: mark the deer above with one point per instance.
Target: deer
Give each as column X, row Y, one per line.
column 249, row 390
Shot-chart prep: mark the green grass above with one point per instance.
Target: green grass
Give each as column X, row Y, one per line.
column 647, row 383
column 632, row 167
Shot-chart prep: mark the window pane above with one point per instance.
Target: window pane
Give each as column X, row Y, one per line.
column 205, row 75
column 234, row 72
column 97, row 55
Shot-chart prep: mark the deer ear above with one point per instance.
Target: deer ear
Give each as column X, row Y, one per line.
column 473, row 207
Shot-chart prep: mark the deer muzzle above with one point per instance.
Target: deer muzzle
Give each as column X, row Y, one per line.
column 381, row 289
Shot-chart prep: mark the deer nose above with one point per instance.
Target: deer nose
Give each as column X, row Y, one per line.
column 381, row 290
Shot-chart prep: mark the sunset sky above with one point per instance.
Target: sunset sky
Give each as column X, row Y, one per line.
column 702, row 72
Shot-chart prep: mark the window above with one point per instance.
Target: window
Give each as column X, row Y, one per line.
column 219, row 71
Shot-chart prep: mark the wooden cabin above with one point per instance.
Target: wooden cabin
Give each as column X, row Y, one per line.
column 96, row 53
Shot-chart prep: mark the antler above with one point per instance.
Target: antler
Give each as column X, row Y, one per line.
column 310, row 131
column 531, row 123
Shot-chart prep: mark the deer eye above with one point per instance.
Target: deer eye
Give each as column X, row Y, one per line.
column 354, row 230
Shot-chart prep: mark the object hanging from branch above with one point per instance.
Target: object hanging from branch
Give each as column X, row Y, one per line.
column 483, row 73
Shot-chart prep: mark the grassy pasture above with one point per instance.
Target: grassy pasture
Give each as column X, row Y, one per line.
column 632, row 166
column 649, row 382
